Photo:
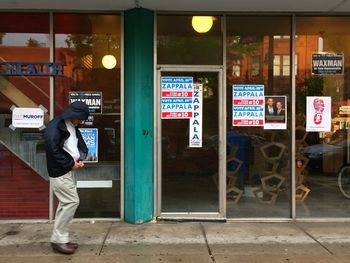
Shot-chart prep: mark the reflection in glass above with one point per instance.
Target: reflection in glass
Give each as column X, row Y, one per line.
column 189, row 175
column 320, row 155
column 24, row 180
column 182, row 45
column 81, row 41
column 258, row 160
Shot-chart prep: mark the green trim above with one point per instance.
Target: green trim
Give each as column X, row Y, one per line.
column 138, row 119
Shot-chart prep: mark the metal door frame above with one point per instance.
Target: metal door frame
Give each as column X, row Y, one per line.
column 221, row 214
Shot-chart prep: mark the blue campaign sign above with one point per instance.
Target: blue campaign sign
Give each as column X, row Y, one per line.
column 248, row 87
column 248, row 91
column 248, row 105
column 177, row 83
column 177, row 80
column 248, row 108
column 176, row 100
column 90, row 136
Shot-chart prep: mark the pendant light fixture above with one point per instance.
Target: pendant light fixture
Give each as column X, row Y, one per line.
column 109, row 61
column 202, row 24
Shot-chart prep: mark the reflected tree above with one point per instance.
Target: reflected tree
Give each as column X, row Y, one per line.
column 239, row 47
column 312, row 86
column 31, row 42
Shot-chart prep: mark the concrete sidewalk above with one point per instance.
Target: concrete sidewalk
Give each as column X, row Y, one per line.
column 181, row 242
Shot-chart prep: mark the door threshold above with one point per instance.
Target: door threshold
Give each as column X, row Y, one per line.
column 195, row 220
column 191, row 217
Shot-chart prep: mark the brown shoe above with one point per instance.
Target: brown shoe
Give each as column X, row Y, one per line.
column 73, row 245
column 62, row 248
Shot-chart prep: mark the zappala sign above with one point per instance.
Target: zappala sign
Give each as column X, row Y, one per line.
column 31, row 69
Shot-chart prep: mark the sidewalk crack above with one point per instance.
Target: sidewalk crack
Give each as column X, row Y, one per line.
column 207, row 244
column 105, row 238
column 311, row 236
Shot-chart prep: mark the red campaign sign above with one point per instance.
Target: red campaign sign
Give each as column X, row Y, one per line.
column 248, row 102
column 184, row 94
column 177, row 115
column 248, row 122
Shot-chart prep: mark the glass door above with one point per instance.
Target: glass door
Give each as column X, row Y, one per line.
column 189, row 143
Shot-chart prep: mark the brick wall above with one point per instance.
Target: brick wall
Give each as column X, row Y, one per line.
column 23, row 193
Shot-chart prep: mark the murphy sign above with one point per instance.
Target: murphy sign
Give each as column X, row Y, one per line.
column 31, row 69
column 327, row 63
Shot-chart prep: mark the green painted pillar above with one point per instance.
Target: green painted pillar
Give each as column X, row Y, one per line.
column 138, row 118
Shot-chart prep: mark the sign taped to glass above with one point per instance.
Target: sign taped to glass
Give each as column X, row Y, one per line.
column 27, row 117
column 327, row 63
column 196, row 122
column 318, row 114
column 275, row 112
column 176, row 101
column 248, row 105
column 90, row 136
column 92, row 98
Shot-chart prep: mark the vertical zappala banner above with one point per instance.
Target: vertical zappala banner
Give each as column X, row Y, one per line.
column 196, row 122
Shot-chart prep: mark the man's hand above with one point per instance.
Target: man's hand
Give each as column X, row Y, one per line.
column 78, row 165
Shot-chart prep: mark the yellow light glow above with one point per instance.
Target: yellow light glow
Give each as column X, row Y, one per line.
column 109, row 61
column 202, row 24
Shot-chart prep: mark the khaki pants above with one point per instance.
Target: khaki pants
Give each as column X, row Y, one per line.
column 65, row 189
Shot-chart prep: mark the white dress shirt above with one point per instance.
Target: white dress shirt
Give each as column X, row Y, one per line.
column 71, row 144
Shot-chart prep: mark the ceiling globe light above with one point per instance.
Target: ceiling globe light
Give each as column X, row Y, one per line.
column 109, row 61
column 202, row 24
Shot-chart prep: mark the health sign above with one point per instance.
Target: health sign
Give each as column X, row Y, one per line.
column 177, row 97
column 248, row 105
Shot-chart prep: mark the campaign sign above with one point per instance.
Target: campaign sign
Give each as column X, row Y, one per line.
column 92, row 99
column 327, row 63
column 318, row 114
column 196, row 122
column 248, row 105
column 90, row 136
column 27, row 117
column 176, row 100
column 275, row 112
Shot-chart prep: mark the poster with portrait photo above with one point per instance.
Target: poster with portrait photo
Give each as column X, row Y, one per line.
column 275, row 112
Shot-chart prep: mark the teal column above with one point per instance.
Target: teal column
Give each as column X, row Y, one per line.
column 138, row 118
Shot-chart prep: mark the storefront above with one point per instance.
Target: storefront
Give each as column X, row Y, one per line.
column 213, row 125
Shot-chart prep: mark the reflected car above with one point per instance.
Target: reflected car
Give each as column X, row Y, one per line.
column 337, row 148
column 317, row 151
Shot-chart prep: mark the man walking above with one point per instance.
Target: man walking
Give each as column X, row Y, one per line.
column 65, row 150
